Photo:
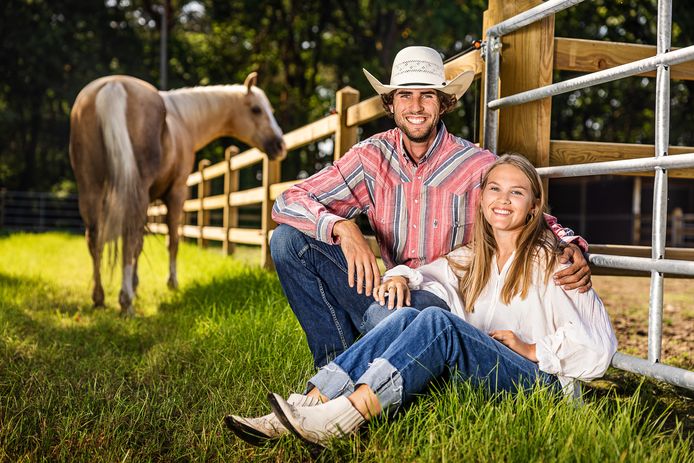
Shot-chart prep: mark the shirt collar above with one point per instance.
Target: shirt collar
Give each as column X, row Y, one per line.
column 441, row 133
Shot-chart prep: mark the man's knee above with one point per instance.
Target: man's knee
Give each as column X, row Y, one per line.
column 284, row 241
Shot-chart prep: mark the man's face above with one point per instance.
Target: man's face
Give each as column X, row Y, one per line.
column 416, row 113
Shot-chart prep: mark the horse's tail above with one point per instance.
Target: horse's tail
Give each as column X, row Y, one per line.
column 122, row 195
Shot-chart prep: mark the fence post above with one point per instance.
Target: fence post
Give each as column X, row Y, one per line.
column 271, row 175
column 345, row 136
column 203, row 191
column 527, row 62
column 636, row 212
column 231, row 214
column 677, row 227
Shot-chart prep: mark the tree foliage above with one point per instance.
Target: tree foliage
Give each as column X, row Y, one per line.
column 304, row 52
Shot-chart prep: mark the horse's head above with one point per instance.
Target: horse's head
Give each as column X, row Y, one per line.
column 258, row 124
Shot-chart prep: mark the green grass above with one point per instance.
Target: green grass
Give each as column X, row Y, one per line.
column 82, row 384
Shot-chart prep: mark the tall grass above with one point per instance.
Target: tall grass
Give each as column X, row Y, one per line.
column 82, row 384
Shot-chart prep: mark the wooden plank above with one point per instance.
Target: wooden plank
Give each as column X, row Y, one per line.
column 278, row 188
column 158, row 228
column 469, row 61
column 191, row 205
column 247, row 158
column 214, row 202
column 366, row 111
column 213, row 233
column 246, row 236
column 159, row 209
column 271, row 175
column 246, row 197
column 563, row 153
column 595, row 55
column 311, row 132
column 527, row 63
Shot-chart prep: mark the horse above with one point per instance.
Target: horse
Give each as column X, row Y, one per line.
column 131, row 144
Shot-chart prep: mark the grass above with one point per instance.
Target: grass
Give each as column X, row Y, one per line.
column 82, row 384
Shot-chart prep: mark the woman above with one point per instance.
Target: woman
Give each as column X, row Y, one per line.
column 509, row 327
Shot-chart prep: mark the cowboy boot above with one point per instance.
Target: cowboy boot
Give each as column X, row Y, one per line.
column 258, row 431
column 318, row 424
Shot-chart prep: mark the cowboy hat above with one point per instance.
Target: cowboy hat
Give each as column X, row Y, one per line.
column 421, row 67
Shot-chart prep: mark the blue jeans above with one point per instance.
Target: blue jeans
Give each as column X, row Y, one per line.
column 313, row 276
column 400, row 356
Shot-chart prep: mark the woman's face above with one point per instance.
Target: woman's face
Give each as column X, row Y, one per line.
column 507, row 199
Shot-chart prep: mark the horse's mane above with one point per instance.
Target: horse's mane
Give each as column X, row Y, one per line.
column 199, row 101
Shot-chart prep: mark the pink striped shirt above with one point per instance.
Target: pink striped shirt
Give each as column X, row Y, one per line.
column 418, row 212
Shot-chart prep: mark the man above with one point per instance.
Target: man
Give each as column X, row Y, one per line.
column 418, row 186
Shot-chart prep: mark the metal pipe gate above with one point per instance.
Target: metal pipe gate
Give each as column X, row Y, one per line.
column 660, row 163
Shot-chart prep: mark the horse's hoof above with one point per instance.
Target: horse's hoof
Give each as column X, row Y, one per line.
column 127, row 314
column 98, row 298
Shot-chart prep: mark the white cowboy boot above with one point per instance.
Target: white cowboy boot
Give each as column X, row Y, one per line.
column 258, row 431
column 319, row 424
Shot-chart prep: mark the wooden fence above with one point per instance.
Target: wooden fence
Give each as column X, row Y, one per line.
column 518, row 132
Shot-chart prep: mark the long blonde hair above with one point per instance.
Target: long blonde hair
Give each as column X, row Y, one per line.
column 535, row 244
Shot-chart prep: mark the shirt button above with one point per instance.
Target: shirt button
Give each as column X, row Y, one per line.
column 416, row 201
column 414, row 225
column 419, row 177
column 412, row 251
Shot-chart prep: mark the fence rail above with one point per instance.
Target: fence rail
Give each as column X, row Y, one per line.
column 39, row 212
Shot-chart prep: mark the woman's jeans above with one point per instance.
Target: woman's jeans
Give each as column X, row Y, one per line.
column 313, row 275
column 402, row 354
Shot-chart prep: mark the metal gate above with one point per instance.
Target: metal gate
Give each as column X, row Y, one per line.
column 657, row 265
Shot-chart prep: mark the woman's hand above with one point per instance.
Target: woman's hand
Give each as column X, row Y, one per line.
column 509, row 339
column 397, row 291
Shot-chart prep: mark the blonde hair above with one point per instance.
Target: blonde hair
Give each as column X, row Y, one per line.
column 535, row 244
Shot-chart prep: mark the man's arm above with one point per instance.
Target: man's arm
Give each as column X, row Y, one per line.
column 320, row 207
column 576, row 275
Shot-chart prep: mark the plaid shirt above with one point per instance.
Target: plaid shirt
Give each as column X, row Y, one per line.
column 419, row 212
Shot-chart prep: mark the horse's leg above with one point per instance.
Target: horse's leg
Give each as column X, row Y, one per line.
column 95, row 249
column 138, row 251
column 174, row 207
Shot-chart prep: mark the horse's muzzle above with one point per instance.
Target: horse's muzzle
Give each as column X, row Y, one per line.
column 275, row 149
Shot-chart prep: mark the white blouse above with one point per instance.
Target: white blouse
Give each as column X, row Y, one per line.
column 572, row 332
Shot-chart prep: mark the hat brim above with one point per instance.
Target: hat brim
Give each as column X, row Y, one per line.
column 456, row 86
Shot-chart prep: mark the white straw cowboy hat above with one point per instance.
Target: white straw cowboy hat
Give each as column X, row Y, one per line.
column 421, row 67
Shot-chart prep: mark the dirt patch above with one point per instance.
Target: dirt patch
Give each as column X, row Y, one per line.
column 626, row 300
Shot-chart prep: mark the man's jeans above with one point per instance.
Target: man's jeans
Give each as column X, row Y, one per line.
column 400, row 356
column 313, row 275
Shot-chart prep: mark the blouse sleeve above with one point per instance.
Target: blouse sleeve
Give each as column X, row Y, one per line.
column 417, row 278
column 584, row 342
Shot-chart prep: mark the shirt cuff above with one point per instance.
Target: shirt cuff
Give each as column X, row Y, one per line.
column 577, row 240
column 547, row 361
column 324, row 228
column 414, row 278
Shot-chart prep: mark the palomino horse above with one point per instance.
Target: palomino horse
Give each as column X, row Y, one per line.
column 131, row 144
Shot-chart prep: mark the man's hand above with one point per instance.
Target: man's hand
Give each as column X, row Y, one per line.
column 576, row 275
column 509, row 339
column 360, row 259
column 397, row 290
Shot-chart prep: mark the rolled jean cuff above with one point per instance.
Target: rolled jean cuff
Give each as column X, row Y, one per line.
column 332, row 381
column 385, row 381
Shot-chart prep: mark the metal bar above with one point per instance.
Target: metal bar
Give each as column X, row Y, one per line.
column 677, row 267
column 679, row 161
column 660, row 186
column 492, row 52
column 594, row 78
column 530, row 16
column 670, row 374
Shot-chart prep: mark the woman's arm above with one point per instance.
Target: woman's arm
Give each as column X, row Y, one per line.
column 584, row 342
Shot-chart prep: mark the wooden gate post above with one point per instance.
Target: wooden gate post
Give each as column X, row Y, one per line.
column 527, row 60
column 271, row 175
column 203, row 191
column 345, row 136
column 230, row 218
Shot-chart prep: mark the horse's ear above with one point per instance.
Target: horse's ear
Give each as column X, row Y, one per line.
column 251, row 80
